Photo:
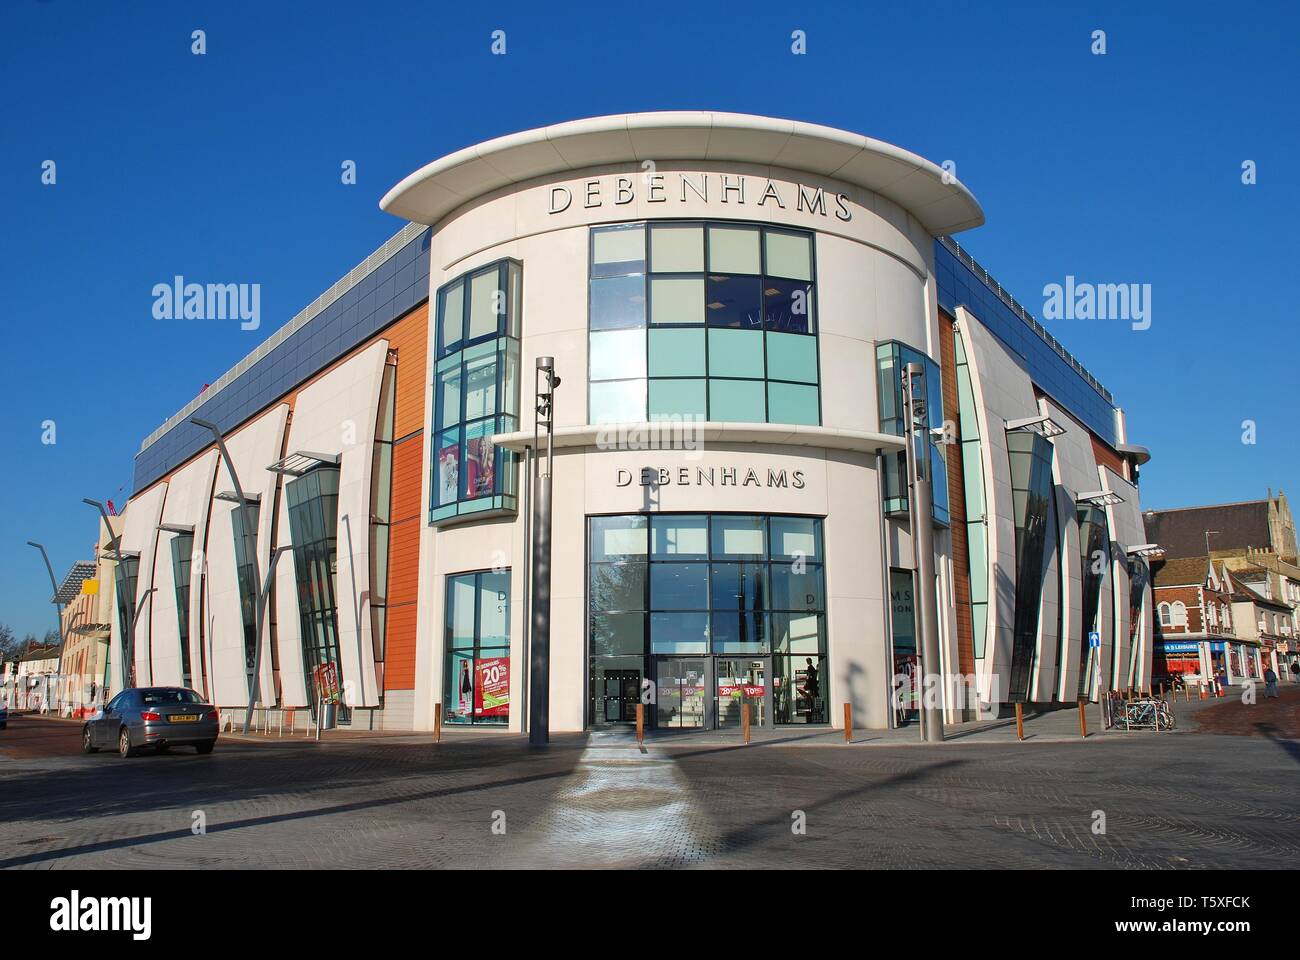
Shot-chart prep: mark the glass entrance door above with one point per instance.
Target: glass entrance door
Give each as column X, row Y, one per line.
column 681, row 693
column 743, row 682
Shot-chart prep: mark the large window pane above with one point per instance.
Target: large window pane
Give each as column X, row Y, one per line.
column 613, row 634
column 737, row 401
column 736, row 353
column 789, row 255
column 619, row 538
column 677, row 248
column 739, row 586
column 677, row 353
column 733, row 250
column 678, row 399
column 618, row 302
column 460, row 612
column 679, row 537
column 790, row 357
column 679, row 586
column 679, row 632
column 796, row 633
column 481, row 387
column 447, row 468
column 734, row 301
column 797, row 589
column 478, row 460
column 792, row 403
column 739, row 633
column 617, row 586
column 618, row 401
column 787, row 305
column 616, row 250
column 448, row 395
column 739, row 537
column 795, row 537
column 676, row 299
column 494, row 609
column 452, row 309
column 617, row 355
column 487, row 303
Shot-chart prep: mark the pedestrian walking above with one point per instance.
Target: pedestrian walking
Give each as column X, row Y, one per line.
column 1270, row 683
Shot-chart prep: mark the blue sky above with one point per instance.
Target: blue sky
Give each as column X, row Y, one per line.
column 226, row 167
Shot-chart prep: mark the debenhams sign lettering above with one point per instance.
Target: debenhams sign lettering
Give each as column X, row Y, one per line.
column 725, row 188
column 711, row 477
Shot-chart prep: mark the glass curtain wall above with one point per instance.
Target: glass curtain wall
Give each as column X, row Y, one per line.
column 698, row 585
column 126, row 575
column 244, row 523
column 702, row 321
column 1092, row 561
column 476, row 392
column 892, row 359
column 182, row 558
column 1031, row 491
column 313, row 529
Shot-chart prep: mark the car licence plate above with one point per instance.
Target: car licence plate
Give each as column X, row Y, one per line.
column 184, row 718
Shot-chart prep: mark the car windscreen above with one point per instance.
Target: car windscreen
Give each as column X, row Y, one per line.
column 168, row 695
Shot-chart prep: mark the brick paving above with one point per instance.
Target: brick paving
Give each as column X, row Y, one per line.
column 1171, row 801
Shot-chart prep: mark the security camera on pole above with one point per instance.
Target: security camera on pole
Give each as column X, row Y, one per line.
column 539, row 695
column 918, row 476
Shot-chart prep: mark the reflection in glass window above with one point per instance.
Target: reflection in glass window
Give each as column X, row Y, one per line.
column 312, row 501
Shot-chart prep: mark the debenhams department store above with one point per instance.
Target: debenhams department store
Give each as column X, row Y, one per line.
column 729, row 301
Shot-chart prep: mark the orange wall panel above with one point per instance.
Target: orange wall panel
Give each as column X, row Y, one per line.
column 399, row 661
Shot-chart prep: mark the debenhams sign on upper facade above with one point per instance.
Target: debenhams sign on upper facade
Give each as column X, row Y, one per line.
column 682, row 187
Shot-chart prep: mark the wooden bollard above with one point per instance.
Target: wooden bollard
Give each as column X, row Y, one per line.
column 1083, row 722
column 1162, row 691
column 848, row 723
column 1020, row 721
column 744, row 721
column 640, row 723
column 437, row 723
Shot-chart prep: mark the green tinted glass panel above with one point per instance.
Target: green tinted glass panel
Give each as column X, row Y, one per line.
column 685, row 398
column 738, row 401
column 791, row 356
column 677, row 300
column 618, row 401
column 676, row 353
column 736, row 353
column 792, row 403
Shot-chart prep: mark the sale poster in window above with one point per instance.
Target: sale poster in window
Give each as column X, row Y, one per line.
column 479, row 464
column 448, row 474
column 492, row 687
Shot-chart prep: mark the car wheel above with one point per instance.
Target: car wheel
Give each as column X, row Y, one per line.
column 206, row 746
column 162, row 748
column 124, row 744
column 87, row 743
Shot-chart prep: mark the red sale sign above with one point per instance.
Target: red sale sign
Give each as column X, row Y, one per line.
column 492, row 687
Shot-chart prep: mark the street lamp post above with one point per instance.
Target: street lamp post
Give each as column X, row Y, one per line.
column 539, row 697
column 54, row 588
column 917, row 424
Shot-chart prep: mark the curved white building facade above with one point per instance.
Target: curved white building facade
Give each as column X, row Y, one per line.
column 728, row 301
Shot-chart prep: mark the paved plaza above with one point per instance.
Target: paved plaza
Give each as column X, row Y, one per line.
column 1185, row 800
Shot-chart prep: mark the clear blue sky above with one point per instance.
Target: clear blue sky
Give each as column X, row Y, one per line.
column 225, row 167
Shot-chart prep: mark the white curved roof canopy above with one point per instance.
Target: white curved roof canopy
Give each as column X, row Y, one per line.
column 437, row 189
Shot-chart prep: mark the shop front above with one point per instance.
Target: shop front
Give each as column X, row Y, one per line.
column 703, row 617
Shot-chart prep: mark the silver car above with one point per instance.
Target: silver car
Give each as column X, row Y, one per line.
column 158, row 717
